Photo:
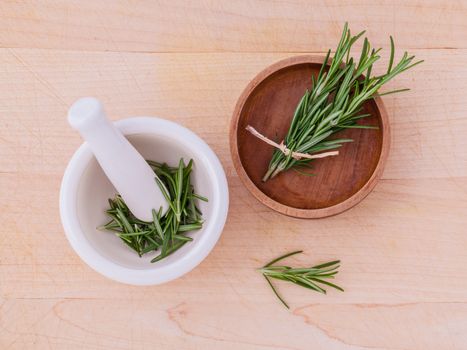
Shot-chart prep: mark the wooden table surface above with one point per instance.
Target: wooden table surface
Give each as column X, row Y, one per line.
column 404, row 248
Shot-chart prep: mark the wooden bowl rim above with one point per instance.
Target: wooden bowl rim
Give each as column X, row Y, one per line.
column 285, row 209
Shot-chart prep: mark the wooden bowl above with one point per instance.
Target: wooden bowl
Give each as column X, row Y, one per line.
column 340, row 182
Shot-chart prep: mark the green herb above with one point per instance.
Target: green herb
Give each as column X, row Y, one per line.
column 333, row 103
column 167, row 232
column 309, row 277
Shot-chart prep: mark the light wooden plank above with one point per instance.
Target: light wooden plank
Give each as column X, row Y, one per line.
column 200, row 91
column 181, row 26
column 399, row 232
column 144, row 324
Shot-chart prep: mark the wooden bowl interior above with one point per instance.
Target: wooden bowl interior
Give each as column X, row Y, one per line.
column 269, row 108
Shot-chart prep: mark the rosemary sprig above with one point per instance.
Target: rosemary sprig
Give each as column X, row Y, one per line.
column 167, row 232
column 335, row 102
column 309, row 277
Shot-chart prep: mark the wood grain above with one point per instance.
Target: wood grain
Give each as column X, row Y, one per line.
column 268, row 104
column 216, row 26
column 403, row 247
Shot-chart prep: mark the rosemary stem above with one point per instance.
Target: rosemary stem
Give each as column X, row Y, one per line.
column 272, row 168
column 335, row 101
column 315, row 278
column 280, row 167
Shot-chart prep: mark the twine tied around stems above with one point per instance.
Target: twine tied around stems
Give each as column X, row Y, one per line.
column 283, row 148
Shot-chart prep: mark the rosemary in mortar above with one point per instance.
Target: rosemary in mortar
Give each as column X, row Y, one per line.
column 333, row 103
column 167, row 232
column 309, row 277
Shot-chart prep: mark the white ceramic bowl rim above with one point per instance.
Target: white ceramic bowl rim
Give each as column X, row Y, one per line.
column 213, row 227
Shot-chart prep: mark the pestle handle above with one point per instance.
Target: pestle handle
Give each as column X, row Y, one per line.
column 121, row 162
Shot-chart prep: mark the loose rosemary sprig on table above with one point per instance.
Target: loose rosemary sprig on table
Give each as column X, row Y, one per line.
column 308, row 277
column 167, row 232
column 333, row 103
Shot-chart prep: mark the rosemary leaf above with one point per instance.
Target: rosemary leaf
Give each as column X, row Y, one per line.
column 166, row 232
column 335, row 101
column 307, row 277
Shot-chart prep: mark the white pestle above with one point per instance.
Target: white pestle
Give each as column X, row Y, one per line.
column 126, row 169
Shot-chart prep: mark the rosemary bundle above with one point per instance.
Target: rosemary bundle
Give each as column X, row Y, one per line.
column 333, row 103
column 167, row 232
column 309, row 277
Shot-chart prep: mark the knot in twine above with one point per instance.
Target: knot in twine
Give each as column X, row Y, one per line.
column 286, row 151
